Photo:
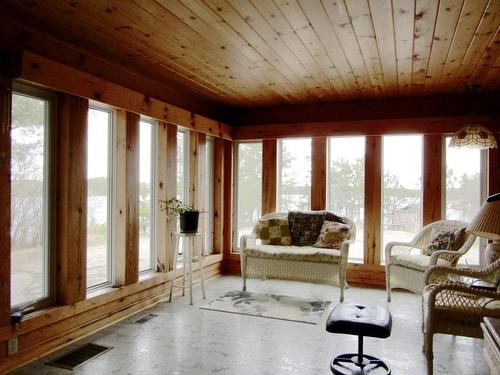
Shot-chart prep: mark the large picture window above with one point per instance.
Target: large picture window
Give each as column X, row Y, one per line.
column 346, row 185
column 209, row 196
column 30, row 245
column 182, row 175
column 401, row 188
column 248, row 189
column 294, row 174
column 146, row 196
column 463, row 190
column 99, row 198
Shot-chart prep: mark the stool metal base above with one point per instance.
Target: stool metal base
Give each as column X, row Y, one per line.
column 349, row 364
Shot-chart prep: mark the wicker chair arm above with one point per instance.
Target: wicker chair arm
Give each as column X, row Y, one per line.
column 441, row 274
column 247, row 239
column 448, row 255
column 393, row 248
column 461, row 296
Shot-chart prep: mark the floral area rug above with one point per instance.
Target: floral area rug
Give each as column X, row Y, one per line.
column 270, row 306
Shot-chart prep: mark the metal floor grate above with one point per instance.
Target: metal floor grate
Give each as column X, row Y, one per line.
column 144, row 319
column 79, row 356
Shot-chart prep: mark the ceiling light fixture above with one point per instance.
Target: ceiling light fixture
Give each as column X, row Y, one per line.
column 473, row 136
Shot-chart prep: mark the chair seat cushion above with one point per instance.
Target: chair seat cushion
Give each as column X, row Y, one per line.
column 419, row 262
column 299, row 253
column 360, row 320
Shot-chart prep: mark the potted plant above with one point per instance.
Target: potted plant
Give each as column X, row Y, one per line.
column 188, row 214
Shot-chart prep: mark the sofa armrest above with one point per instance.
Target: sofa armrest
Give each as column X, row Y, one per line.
column 247, row 239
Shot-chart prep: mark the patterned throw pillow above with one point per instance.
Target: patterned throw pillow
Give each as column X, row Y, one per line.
column 274, row 232
column 305, row 226
column 332, row 235
column 445, row 239
column 330, row 216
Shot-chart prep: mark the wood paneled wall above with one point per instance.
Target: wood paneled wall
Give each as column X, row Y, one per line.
column 269, row 171
column 218, row 195
column 318, row 173
column 432, row 179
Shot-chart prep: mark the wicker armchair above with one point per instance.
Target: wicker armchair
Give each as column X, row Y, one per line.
column 405, row 263
column 454, row 304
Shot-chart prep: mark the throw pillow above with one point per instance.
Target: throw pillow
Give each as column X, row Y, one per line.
column 445, row 239
column 274, row 232
column 332, row 235
column 330, row 216
column 305, row 226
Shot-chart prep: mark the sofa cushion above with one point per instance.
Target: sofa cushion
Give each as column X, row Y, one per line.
column 418, row 262
column 330, row 216
column 445, row 239
column 298, row 253
column 274, row 232
column 332, row 235
column 305, row 226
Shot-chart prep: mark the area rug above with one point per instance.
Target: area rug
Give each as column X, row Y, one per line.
column 270, row 306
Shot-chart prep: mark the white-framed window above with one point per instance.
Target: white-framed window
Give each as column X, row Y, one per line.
column 465, row 189
column 32, row 252
column 346, row 185
column 248, row 188
column 182, row 176
column 294, row 174
column 147, row 200
column 100, row 197
column 209, row 195
column 401, row 188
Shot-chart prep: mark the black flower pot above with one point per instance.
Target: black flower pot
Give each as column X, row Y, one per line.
column 189, row 221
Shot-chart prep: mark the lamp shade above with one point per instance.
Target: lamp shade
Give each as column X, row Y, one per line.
column 473, row 136
column 486, row 224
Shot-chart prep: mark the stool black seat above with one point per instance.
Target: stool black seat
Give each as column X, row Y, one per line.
column 360, row 320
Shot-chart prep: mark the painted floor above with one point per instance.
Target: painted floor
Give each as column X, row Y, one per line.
column 187, row 340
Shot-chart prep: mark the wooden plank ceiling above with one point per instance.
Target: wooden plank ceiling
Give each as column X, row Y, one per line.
column 279, row 52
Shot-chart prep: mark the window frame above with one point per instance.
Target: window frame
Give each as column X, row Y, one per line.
column 153, row 196
column 209, row 204
column 49, row 192
column 111, row 200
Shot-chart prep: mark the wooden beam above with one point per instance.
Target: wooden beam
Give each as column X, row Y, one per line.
column 494, row 170
column 171, row 190
column 318, row 173
column 373, row 200
column 228, row 198
column 432, row 178
column 201, row 204
column 5, row 196
column 269, row 170
column 61, row 77
column 218, row 195
column 127, row 254
column 387, row 108
column 424, row 125
column 71, row 197
column 161, row 262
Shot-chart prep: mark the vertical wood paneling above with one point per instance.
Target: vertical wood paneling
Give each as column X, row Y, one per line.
column 218, row 195
column 228, row 197
column 318, row 174
column 432, row 178
column 5, row 194
column 202, row 186
column 269, row 170
column 127, row 253
column 171, row 190
column 161, row 262
column 373, row 199
column 494, row 170
column 71, row 197
column 193, row 168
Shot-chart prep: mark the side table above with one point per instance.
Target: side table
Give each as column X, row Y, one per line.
column 191, row 253
column 491, row 333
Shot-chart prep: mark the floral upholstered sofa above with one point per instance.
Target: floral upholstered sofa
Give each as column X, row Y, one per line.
column 299, row 245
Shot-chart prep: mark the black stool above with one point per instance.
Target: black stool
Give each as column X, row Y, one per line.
column 360, row 320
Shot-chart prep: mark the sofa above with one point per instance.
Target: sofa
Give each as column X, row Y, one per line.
column 294, row 258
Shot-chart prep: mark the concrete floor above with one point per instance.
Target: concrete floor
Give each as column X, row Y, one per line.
column 186, row 340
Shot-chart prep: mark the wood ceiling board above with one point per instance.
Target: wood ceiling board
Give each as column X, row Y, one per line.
column 425, row 21
column 383, row 25
column 472, row 12
column 361, row 20
column 404, row 14
column 488, row 58
column 339, row 18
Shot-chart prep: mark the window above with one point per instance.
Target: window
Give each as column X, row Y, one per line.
column 146, row 196
column 346, row 185
column 99, row 198
column 248, row 189
column 402, row 188
column 209, row 196
column 182, row 175
column 294, row 174
column 30, row 243
column 463, row 190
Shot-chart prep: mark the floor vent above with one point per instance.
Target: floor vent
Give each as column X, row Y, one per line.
column 144, row 319
column 79, row 356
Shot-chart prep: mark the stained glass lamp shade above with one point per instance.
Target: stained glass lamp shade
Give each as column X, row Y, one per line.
column 473, row 136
